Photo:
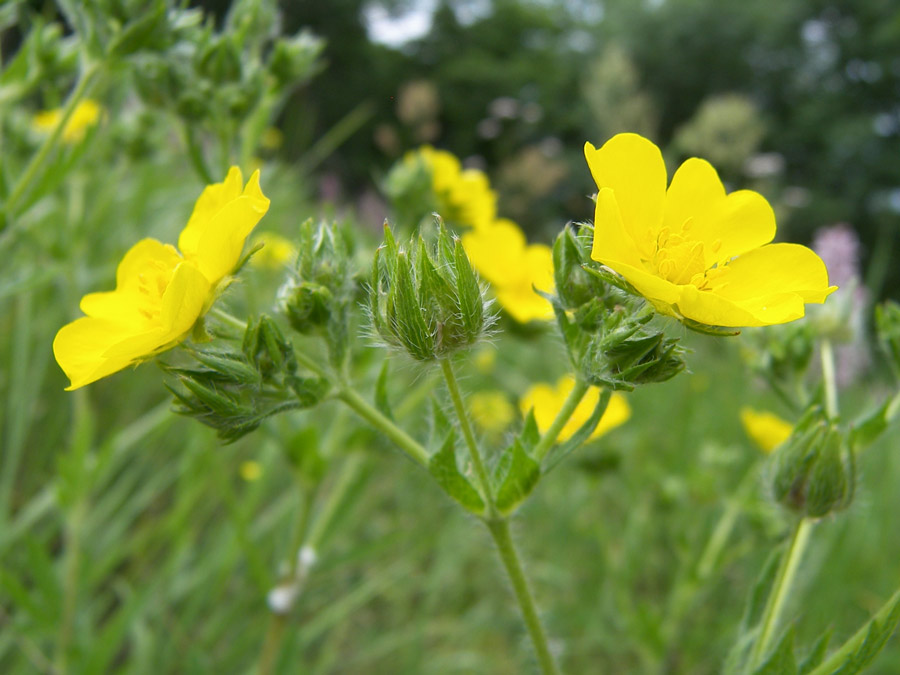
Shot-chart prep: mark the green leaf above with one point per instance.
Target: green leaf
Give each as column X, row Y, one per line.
column 717, row 331
column 381, row 394
column 881, row 628
column 531, row 435
column 867, row 430
column 781, row 661
column 443, row 467
column 440, row 425
column 816, row 654
column 515, row 478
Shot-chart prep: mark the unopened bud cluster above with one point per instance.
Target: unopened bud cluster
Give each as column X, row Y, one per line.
column 233, row 391
column 316, row 298
column 813, row 472
column 606, row 329
column 426, row 300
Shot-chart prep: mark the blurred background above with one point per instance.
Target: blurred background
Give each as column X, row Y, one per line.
column 132, row 540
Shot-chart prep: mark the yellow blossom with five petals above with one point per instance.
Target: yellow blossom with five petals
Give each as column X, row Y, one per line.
column 161, row 292
column 547, row 400
column 692, row 250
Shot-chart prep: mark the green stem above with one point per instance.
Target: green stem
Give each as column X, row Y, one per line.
column 499, row 529
column 375, row 418
column 836, row 660
column 337, row 498
column 458, row 405
column 831, row 398
column 82, row 86
column 565, row 413
column 781, row 587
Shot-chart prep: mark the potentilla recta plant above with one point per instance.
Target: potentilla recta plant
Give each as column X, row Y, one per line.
column 658, row 256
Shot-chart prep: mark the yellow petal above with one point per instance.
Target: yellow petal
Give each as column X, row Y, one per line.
column 611, row 242
column 523, row 304
column 766, row 429
column 79, row 349
column 741, row 222
column 145, row 259
column 496, row 251
column 633, row 168
column 654, row 288
column 695, row 189
column 181, row 306
column 210, row 202
column 215, row 243
column 714, row 310
column 775, row 269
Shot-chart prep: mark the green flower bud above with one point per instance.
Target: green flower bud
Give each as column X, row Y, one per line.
column 813, row 471
column 295, row 59
column 427, row 302
column 575, row 286
column 887, row 322
column 317, row 297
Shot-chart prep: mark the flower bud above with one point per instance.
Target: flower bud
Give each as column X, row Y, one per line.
column 427, row 302
column 813, row 471
column 294, row 59
column 887, row 322
column 317, row 296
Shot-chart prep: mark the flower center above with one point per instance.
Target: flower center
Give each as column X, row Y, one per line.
column 680, row 259
column 153, row 280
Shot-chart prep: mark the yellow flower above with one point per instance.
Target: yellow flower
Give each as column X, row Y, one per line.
column 86, row 114
column 464, row 195
column 160, row 293
column 547, row 401
column 500, row 254
column 692, row 250
column 277, row 251
column 491, row 410
column 250, row 471
column 766, row 429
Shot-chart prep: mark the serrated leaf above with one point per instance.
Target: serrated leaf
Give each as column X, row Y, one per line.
column 584, row 432
column 518, row 474
column 531, row 435
column 756, row 600
column 867, row 430
column 440, row 425
column 781, row 660
column 816, row 654
column 442, row 466
column 881, row 627
column 382, row 402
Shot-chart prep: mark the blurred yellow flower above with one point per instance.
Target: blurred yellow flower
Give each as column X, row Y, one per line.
column 765, row 429
column 547, row 400
column 491, row 410
column 250, row 471
column 86, row 114
column 692, row 250
column 464, row 195
column 160, row 293
column 277, row 251
column 500, row 254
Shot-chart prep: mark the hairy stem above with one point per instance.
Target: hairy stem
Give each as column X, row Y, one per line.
column 375, row 418
column 499, row 529
column 460, row 408
column 565, row 413
column 781, row 588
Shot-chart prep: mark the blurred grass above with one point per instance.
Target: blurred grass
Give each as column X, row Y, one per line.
column 129, row 543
